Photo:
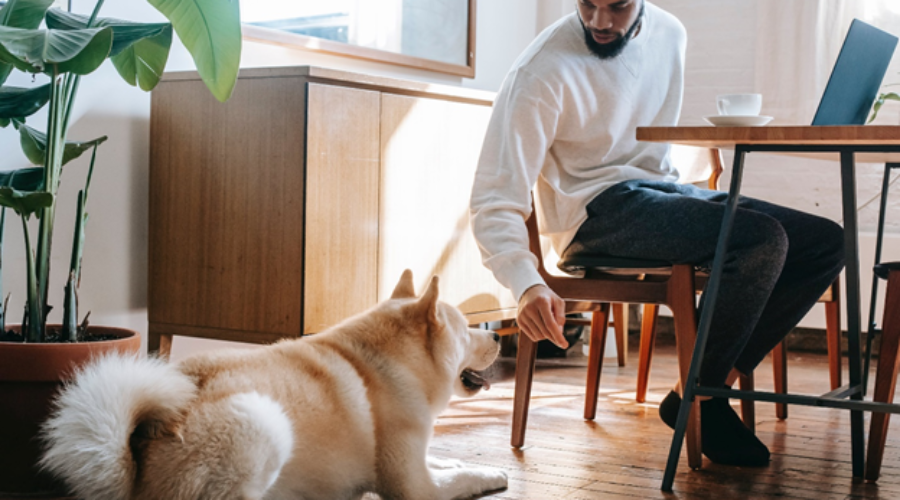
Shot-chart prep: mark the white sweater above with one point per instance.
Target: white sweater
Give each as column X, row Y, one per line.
column 565, row 120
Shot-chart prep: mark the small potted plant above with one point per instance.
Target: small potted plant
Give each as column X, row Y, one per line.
column 881, row 99
column 62, row 47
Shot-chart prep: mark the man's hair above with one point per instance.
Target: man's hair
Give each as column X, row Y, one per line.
column 614, row 48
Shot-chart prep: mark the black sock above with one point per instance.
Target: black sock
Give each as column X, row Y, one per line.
column 725, row 438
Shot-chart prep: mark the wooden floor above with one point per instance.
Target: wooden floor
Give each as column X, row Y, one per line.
column 623, row 452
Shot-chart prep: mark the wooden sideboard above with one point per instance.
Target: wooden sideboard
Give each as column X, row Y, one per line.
column 300, row 201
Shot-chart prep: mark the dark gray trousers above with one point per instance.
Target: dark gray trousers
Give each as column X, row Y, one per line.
column 778, row 264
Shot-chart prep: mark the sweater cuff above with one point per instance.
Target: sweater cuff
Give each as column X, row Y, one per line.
column 520, row 276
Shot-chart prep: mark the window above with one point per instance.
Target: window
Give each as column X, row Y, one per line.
column 429, row 34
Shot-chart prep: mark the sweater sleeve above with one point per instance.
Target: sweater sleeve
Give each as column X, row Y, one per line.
column 521, row 129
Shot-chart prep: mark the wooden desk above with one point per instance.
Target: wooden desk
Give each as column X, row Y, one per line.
column 869, row 143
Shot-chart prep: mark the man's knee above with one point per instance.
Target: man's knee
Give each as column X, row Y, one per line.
column 765, row 243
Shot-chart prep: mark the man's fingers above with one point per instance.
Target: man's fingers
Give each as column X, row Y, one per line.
column 542, row 315
column 553, row 328
column 526, row 325
column 559, row 312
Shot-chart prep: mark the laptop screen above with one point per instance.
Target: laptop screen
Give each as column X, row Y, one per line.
column 857, row 76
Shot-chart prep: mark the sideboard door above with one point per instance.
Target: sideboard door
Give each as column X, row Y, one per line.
column 226, row 205
column 342, row 172
column 430, row 149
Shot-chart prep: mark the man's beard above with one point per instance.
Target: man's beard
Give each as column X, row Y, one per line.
column 614, row 48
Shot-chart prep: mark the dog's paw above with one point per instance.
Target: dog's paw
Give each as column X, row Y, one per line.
column 493, row 479
column 444, row 463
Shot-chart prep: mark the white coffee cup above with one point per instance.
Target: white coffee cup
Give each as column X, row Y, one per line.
column 739, row 104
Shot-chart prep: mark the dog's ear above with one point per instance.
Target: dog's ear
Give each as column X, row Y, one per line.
column 405, row 288
column 428, row 301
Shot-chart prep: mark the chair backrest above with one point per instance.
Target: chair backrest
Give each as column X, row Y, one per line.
column 697, row 165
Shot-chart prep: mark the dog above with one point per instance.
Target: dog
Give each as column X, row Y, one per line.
column 331, row 416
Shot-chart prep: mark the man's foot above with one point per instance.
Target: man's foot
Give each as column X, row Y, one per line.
column 724, row 437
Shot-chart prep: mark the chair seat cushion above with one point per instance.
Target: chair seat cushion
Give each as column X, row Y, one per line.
column 882, row 270
column 574, row 262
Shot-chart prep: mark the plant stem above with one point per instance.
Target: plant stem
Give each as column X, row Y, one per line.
column 90, row 175
column 95, row 13
column 35, row 331
column 52, row 166
column 70, row 306
column 72, row 80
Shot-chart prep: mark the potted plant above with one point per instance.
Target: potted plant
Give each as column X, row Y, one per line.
column 881, row 99
column 62, row 47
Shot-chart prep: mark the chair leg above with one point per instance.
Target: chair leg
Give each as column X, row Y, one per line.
column 681, row 300
column 525, row 357
column 599, row 322
column 648, row 340
column 748, row 407
column 779, row 371
column 833, row 330
column 620, row 324
column 886, row 376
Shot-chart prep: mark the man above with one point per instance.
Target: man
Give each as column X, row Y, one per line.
column 564, row 123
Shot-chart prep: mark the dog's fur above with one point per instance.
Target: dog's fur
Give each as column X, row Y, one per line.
column 331, row 416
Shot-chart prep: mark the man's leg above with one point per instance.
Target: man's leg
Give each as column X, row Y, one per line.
column 814, row 260
column 658, row 220
column 779, row 263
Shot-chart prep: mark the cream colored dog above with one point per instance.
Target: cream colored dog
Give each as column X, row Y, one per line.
column 331, row 416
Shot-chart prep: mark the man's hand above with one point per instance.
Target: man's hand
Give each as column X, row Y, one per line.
column 542, row 315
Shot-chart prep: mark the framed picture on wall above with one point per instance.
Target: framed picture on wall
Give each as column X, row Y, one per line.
column 437, row 35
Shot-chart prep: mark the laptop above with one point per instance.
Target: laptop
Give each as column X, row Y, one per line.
column 857, row 76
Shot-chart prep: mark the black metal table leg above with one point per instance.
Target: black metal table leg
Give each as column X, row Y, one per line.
column 854, row 320
column 712, row 291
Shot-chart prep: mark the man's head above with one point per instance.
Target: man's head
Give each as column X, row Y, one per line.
column 609, row 24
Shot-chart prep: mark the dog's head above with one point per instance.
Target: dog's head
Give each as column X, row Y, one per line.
column 454, row 349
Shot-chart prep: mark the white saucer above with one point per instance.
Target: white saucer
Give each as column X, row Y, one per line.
column 738, row 120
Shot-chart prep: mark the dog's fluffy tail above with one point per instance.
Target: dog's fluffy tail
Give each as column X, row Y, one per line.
column 88, row 434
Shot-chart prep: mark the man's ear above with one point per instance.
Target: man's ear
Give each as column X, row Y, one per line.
column 405, row 288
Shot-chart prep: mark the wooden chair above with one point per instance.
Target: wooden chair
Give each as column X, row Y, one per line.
column 888, row 367
column 605, row 282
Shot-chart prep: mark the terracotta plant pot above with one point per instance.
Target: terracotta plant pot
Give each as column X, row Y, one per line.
column 30, row 377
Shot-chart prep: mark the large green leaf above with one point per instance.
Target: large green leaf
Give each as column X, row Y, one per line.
column 26, row 14
column 21, row 14
column 139, row 51
column 70, row 51
column 25, row 203
column 125, row 33
column 34, row 145
column 16, row 102
column 211, row 31
column 142, row 64
column 5, row 70
column 24, row 179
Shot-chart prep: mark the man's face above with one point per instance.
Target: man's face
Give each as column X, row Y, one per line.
column 609, row 24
